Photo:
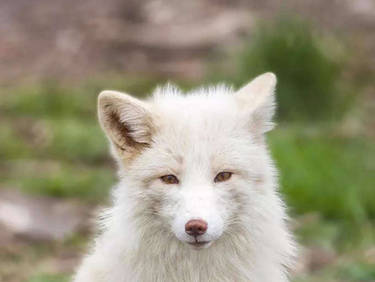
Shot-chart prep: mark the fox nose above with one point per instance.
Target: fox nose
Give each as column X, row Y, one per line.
column 196, row 227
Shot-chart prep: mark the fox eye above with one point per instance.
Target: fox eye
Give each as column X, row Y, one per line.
column 169, row 179
column 223, row 176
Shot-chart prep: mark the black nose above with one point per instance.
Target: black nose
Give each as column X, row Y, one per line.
column 196, row 227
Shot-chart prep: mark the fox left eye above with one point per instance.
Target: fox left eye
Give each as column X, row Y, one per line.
column 223, row 176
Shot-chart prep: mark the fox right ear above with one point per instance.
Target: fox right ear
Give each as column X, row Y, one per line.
column 258, row 98
column 126, row 121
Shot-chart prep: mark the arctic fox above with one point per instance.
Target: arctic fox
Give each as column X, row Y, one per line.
column 197, row 199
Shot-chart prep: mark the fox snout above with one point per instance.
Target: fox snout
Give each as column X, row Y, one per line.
column 197, row 220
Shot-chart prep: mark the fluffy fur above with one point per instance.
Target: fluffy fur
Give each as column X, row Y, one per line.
column 193, row 137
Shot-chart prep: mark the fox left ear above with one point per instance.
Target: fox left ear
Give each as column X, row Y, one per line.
column 127, row 122
column 258, row 99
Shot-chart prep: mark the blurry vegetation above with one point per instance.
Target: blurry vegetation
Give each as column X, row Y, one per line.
column 308, row 66
column 51, row 141
column 330, row 176
column 340, row 167
column 49, row 278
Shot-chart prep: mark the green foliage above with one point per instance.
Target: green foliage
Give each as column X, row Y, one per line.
column 348, row 270
column 358, row 272
column 81, row 141
column 50, row 99
column 63, row 138
column 326, row 173
column 328, row 176
column 49, row 278
column 307, row 64
column 70, row 181
column 10, row 145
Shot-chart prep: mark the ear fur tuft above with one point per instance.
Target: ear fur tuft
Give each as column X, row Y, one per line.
column 126, row 121
column 258, row 98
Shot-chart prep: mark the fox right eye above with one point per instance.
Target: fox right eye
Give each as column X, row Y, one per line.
column 169, row 179
column 223, row 176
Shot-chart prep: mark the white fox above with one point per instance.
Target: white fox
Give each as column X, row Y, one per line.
column 198, row 197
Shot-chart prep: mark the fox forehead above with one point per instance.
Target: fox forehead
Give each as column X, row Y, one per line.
column 203, row 114
column 201, row 153
column 204, row 103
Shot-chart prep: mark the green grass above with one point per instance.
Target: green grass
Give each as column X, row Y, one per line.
column 49, row 278
column 323, row 172
column 50, row 99
column 64, row 138
column 330, row 176
column 68, row 181
column 351, row 271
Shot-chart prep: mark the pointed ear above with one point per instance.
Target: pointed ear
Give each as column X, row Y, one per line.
column 257, row 98
column 126, row 121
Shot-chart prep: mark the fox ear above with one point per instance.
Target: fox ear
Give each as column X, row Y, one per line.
column 258, row 99
column 126, row 121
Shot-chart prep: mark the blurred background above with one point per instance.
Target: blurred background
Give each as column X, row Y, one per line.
column 55, row 169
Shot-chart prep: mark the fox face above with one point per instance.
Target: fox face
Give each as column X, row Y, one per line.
column 195, row 167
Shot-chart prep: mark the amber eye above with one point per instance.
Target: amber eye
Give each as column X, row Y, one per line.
column 169, row 179
column 223, row 176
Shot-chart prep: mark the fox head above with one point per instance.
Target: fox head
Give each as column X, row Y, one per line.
column 195, row 167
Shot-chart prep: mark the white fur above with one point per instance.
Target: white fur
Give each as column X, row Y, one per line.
column 194, row 137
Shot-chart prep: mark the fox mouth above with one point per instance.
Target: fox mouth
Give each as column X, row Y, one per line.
column 200, row 244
